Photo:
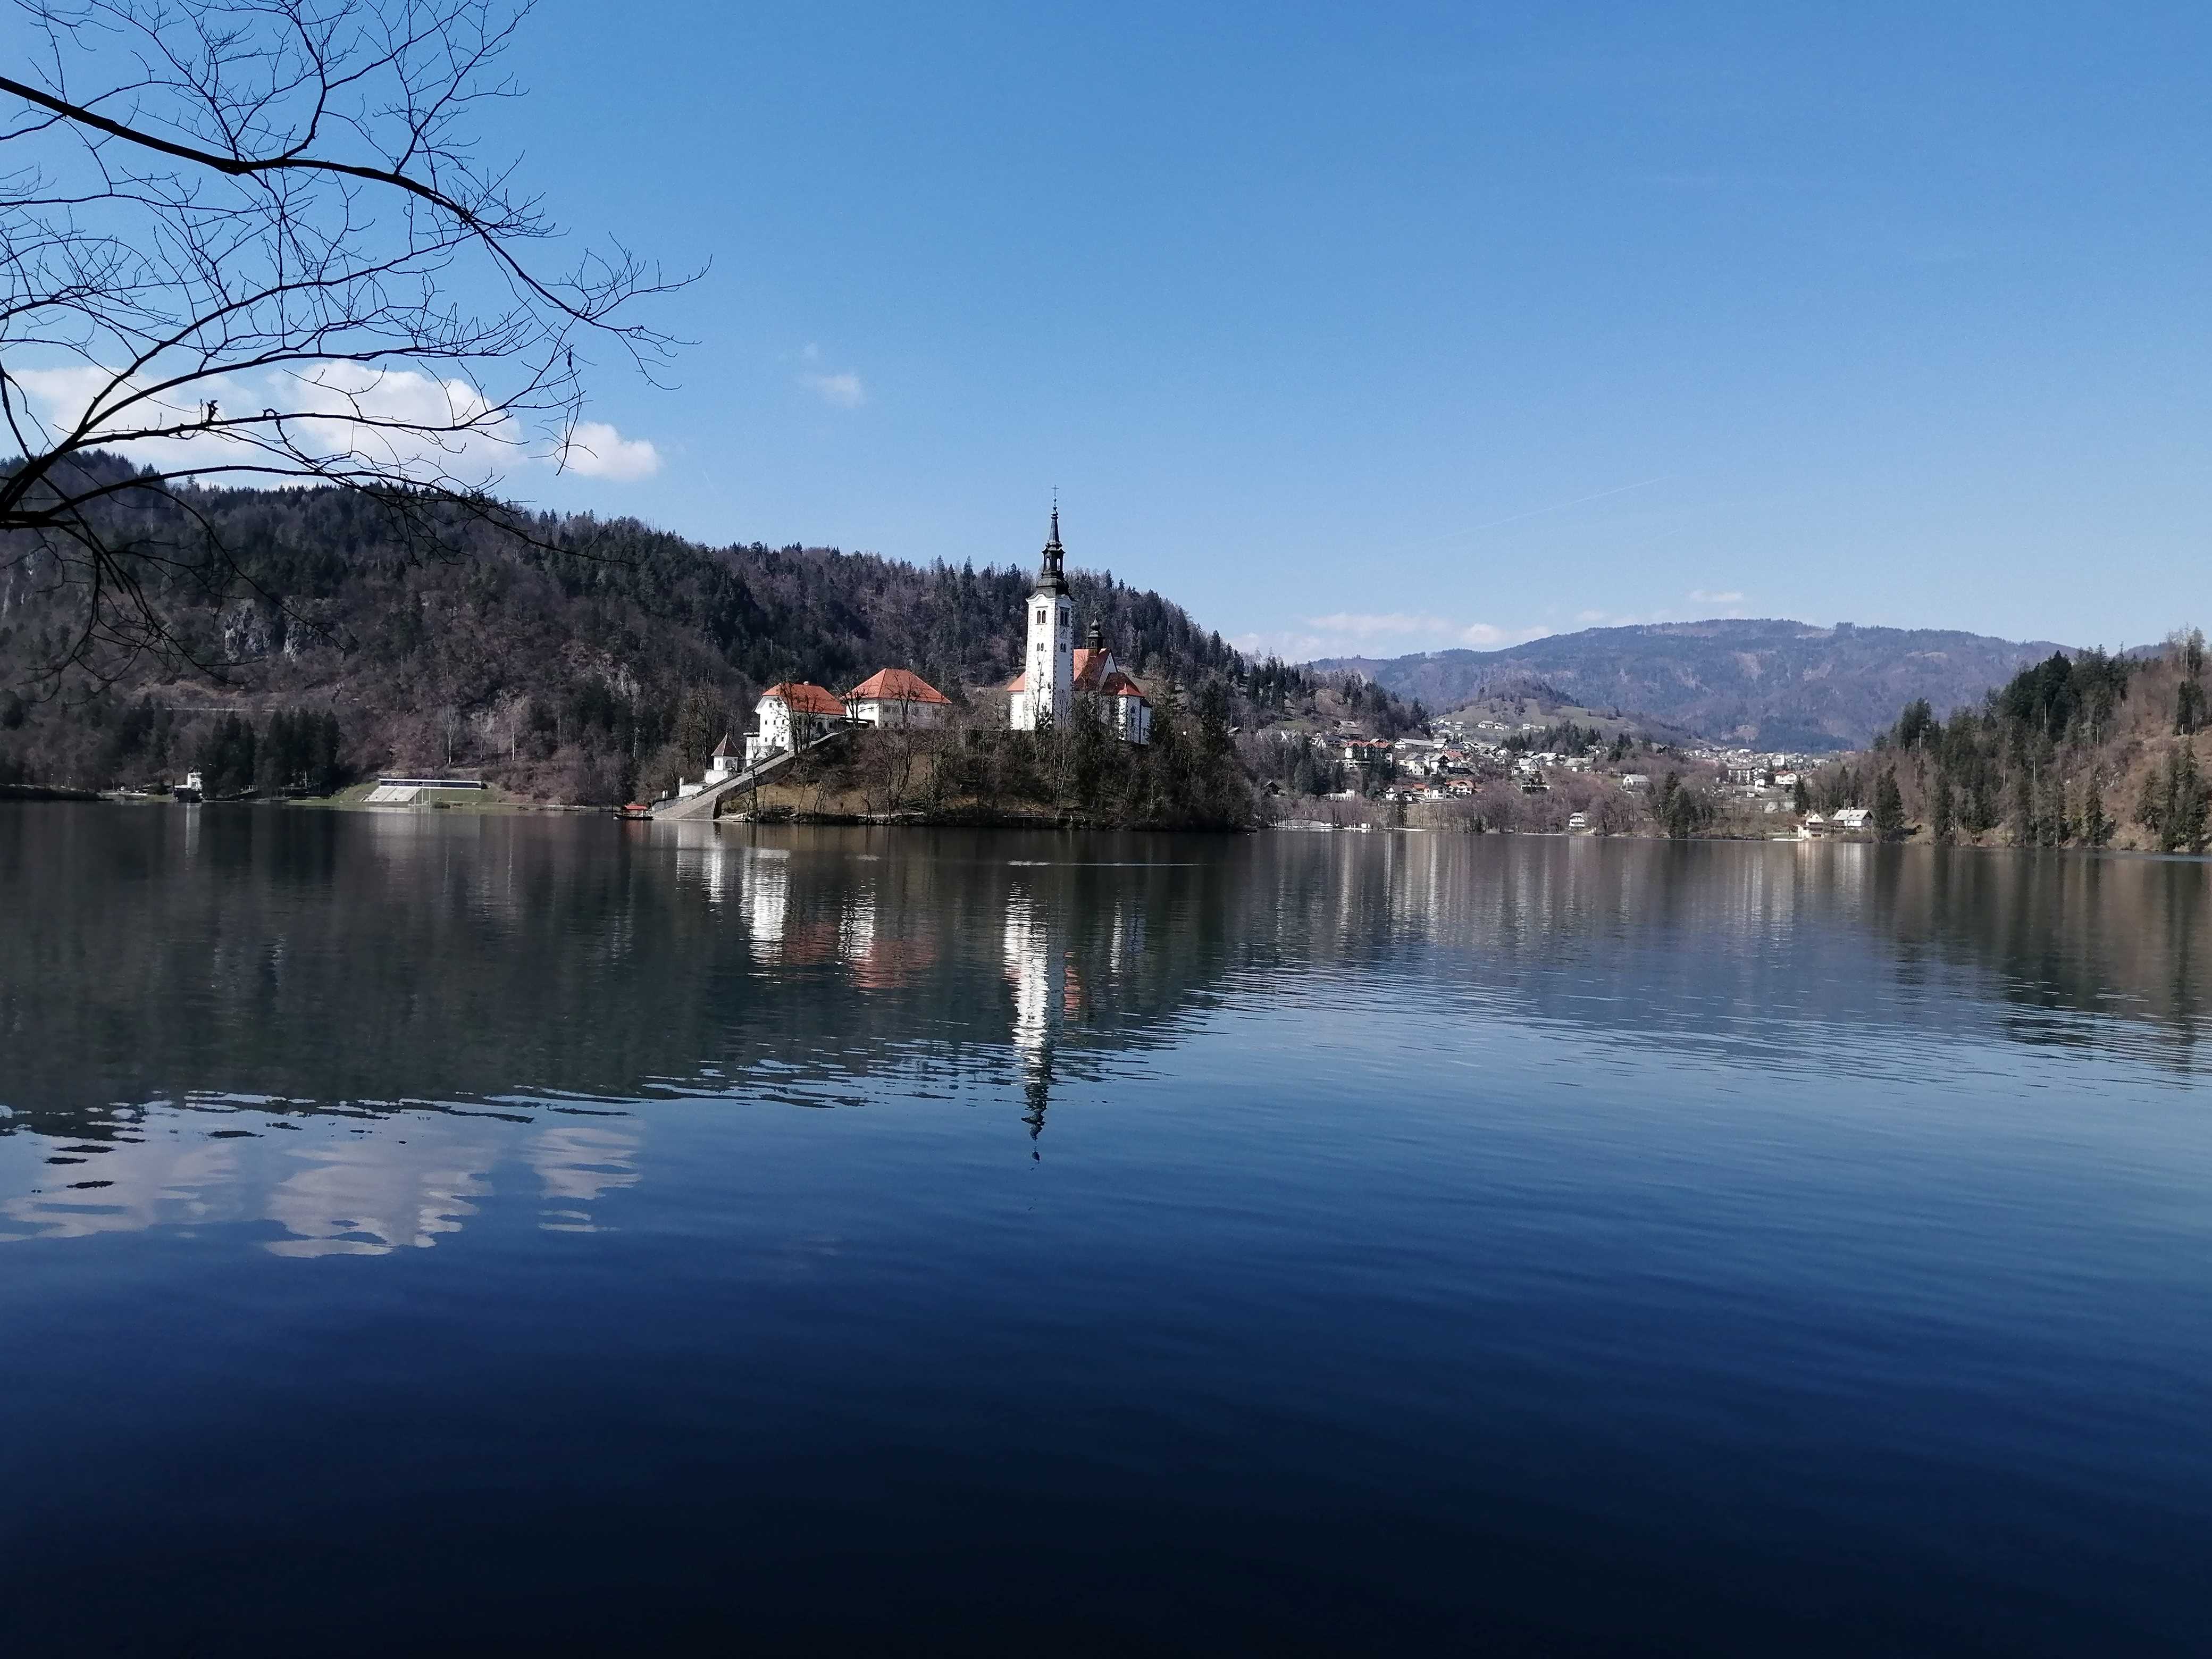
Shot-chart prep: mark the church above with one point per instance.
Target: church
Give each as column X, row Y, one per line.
column 1054, row 673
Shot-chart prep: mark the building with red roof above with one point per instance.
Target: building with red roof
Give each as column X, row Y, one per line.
column 1062, row 675
column 791, row 714
column 896, row 698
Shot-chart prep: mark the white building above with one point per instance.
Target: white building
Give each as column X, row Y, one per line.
column 1053, row 672
column 896, row 698
column 1045, row 689
column 791, row 714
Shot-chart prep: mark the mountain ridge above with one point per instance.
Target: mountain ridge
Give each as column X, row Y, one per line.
column 1772, row 683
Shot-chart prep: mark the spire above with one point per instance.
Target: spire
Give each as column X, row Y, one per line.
column 1097, row 640
column 1049, row 575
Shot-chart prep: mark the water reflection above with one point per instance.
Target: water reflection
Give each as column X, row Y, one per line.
column 336, row 1184
column 396, row 970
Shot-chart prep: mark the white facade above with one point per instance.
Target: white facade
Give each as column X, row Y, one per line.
column 791, row 714
column 1132, row 719
column 772, row 731
column 896, row 699
column 895, row 712
column 1053, row 672
column 1049, row 657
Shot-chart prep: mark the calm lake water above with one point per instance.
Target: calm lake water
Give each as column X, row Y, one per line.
column 545, row 1235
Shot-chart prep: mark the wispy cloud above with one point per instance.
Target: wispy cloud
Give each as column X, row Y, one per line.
column 1371, row 634
column 839, row 391
column 1701, row 596
column 839, row 388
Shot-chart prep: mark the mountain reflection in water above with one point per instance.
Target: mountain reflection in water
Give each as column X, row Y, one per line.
column 580, row 1237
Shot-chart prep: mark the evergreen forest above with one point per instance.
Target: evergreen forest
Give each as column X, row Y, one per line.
column 2086, row 749
column 318, row 635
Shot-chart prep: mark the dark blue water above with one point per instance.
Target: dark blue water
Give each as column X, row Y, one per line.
column 550, row 1235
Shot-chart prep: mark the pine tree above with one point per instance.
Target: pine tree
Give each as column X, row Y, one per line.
column 2186, row 806
column 1800, row 797
column 1889, row 807
column 1946, row 825
column 2150, row 804
column 2051, row 809
column 2096, row 828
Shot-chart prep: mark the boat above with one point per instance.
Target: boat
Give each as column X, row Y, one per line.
column 190, row 792
column 636, row 812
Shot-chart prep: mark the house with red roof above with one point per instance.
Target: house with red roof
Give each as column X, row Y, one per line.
column 792, row 715
column 897, row 697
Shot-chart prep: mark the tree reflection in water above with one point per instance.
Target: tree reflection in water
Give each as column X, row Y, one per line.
column 347, row 1025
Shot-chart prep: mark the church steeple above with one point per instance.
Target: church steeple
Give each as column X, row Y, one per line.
column 1049, row 657
column 1050, row 578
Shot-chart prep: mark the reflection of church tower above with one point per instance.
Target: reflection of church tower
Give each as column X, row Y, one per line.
column 766, row 897
column 1049, row 659
column 1038, row 974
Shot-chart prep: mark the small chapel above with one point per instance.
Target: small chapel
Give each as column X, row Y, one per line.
column 1055, row 673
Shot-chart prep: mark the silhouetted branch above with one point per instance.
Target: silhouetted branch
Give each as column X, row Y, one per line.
column 250, row 242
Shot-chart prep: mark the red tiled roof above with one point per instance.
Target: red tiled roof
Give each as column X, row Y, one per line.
column 1088, row 665
column 724, row 747
column 1118, row 685
column 896, row 685
column 806, row 698
column 1113, row 684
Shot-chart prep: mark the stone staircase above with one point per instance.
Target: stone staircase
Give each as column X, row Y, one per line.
column 700, row 807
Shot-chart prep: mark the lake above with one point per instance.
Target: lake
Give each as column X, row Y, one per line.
column 517, row 1233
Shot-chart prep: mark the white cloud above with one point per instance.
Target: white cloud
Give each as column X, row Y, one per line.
column 1699, row 596
column 1485, row 636
column 398, row 421
column 1379, row 633
column 839, row 391
column 596, row 450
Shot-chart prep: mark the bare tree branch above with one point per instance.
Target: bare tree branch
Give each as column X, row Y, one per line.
column 251, row 241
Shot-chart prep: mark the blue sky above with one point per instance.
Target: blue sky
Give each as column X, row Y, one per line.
column 1392, row 328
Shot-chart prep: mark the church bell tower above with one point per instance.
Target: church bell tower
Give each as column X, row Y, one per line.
column 1048, row 662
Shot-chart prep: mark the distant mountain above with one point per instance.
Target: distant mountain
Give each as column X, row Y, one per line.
column 1774, row 684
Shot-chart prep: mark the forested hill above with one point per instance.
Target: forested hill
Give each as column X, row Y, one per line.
column 1768, row 683
column 2089, row 750
column 583, row 669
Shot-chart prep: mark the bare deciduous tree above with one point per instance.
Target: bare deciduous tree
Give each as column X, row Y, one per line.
column 246, row 241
